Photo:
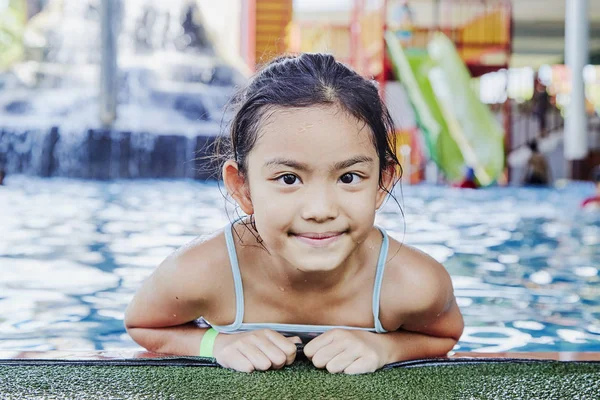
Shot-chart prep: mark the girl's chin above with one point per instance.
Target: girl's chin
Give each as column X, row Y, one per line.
column 317, row 263
column 313, row 269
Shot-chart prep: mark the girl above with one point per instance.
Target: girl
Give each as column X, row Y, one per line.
column 311, row 160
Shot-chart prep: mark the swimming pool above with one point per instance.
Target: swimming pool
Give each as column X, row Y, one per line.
column 524, row 261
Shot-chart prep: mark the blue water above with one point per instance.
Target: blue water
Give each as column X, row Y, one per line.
column 524, row 262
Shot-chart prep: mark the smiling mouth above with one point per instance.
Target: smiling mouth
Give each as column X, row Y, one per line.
column 314, row 239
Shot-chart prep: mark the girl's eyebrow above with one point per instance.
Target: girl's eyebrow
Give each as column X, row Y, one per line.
column 304, row 167
column 287, row 163
column 351, row 161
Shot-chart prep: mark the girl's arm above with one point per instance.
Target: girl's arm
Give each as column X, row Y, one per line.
column 178, row 340
column 160, row 316
column 192, row 283
column 434, row 340
column 356, row 352
column 430, row 320
column 417, row 307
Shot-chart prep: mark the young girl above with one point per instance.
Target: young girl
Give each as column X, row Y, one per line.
column 312, row 159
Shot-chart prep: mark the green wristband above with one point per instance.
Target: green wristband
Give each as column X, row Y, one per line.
column 208, row 343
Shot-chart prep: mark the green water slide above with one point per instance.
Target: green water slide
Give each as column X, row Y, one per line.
column 459, row 130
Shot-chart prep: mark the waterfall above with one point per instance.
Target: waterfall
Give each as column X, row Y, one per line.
column 173, row 88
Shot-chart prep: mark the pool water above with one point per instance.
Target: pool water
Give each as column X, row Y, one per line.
column 524, row 262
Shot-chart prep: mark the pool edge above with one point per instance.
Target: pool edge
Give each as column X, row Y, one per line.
column 140, row 354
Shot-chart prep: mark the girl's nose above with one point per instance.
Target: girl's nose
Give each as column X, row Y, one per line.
column 320, row 205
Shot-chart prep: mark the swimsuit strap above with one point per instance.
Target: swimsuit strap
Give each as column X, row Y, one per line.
column 239, row 290
column 237, row 278
column 379, row 279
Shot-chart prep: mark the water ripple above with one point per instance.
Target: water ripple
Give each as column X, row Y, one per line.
column 524, row 262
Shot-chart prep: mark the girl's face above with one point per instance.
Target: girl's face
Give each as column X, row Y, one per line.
column 313, row 183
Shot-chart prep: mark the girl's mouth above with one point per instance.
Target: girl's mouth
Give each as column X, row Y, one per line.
column 315, row 239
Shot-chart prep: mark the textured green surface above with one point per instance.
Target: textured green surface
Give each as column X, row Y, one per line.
column 514, row 380
column 458, row 129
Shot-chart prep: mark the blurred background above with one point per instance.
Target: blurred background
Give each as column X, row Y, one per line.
column 109, row 108
column 111, row 89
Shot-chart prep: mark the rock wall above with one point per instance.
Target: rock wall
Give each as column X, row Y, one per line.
column 104, row 154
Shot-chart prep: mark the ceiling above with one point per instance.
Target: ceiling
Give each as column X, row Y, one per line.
column 539, row 31
column 548, row 10
column 529, row 10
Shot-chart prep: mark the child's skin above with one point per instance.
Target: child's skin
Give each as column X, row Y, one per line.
column 312, row 170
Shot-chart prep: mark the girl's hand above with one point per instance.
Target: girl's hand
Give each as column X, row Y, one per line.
column 346, row 350
column 258, row 350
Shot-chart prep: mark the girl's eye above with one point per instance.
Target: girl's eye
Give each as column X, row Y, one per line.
column 288, row 179
column 350, row 178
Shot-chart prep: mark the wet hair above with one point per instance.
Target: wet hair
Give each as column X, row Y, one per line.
column 307, row 80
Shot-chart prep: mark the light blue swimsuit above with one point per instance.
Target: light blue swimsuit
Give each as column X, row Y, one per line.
column 306, row 332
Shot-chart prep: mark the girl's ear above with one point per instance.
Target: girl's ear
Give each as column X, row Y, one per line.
column 237, row 186
column 388, row 179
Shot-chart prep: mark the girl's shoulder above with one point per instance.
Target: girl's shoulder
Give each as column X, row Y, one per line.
column 190, row 283
column 406, row 262
column 202, row 265
column 414, row 284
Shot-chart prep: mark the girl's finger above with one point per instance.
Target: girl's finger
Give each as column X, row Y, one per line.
column 343, row 360
column 320, row 341
column 325, row 354
column 285, row 344
column 359, row 366
column 258, row 359
column 275, row 355
column 238, row 362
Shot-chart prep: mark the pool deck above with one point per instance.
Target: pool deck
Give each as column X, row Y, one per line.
column 129, row 354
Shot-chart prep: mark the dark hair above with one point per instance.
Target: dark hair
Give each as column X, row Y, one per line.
column 533, row 146
column 303, row 81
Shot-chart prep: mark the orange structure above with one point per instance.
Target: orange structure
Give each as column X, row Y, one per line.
column 355, row 38
column 481, row 31
column 268, row 27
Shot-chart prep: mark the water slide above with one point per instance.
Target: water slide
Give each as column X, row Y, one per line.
column 458, row 129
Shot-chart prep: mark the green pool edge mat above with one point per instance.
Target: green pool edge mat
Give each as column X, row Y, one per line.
column 196, row 377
